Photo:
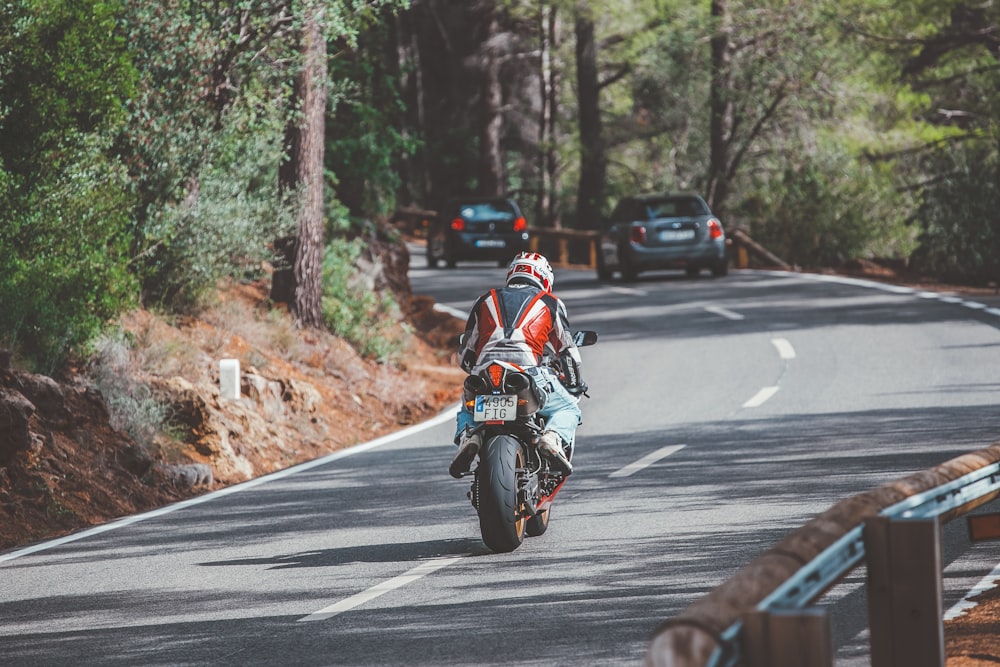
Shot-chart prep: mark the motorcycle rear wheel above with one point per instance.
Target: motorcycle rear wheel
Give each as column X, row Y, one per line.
column 500, row 522
column 537, row 524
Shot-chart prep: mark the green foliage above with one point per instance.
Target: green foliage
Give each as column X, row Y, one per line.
column 64, row 199
column 959, row 215
column 66, row 246
column 225, row 226
column 64, row 70
column 365, row 146
column 353, row 310
column 830, row 208
column 131, row 405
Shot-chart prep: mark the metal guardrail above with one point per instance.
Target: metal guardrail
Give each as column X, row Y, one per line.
column 928, row 507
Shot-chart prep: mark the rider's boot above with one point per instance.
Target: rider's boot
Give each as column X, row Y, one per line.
column 467, row 450
column 550, row 444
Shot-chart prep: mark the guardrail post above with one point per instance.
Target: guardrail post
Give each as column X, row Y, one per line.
column 787, row 638
column 905, row 608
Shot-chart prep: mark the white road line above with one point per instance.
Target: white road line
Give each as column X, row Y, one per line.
column 761, row 397
column 966, row 603
column 419, row 571
column 628, row 290
column 449, row 310
column 974, row 305
column 785, row 349
column 724, row 312
column 646, row 461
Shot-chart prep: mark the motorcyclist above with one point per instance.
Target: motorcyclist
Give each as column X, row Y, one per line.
column 525, row 324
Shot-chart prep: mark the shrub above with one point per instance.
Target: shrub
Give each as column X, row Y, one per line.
column 66, row 249
column 353, row 310
column 131, row 404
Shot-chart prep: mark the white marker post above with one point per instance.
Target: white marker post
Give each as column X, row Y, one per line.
column 229, row 379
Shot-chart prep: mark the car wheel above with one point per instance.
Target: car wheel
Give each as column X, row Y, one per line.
column 721, row 268
column 692, row 271
column 603, row 272
column 627, row 269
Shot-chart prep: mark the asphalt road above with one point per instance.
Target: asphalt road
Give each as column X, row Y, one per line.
column 724, row 413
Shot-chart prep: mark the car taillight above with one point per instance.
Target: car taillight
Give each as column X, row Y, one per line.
column 520, row 225
column 638, row 234
column 714, row 229
column 458, row 224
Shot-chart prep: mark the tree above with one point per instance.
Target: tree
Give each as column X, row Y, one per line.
column 593, row 159
column 948, row 54
column 302, row 174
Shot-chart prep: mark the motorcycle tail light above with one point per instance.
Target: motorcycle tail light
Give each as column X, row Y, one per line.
column 496, row 374
column 520, row 225
column 458, row 224
column 638, row 234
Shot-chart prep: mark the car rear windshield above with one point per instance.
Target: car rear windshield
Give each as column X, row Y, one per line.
column 680, row 207
column 486, row 211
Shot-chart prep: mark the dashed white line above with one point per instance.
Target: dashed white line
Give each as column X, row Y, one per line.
column 419, row 571
column 632, row 291
column 646, row 461
column 761, row 397
column 724, row 312
column 974, row 305
column 785, row 349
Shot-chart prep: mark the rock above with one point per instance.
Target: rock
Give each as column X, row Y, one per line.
column 46, row 394
column 188, row 476
column 15, row 412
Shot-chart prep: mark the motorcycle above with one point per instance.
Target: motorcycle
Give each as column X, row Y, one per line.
column 513, row 485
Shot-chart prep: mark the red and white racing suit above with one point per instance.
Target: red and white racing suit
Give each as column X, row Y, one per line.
column 524, row 325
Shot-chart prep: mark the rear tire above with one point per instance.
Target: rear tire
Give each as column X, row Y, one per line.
column 537, row 524
column 499, row 524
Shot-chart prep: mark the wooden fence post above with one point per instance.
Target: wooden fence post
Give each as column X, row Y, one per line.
column 905, row 607
column 787, row 638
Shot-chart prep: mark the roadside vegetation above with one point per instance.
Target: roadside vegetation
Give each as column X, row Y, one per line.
column 150, row 150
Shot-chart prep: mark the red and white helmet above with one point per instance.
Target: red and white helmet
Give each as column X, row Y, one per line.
column 531, row 267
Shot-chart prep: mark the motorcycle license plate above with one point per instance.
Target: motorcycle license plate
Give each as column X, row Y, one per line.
column 495, row 408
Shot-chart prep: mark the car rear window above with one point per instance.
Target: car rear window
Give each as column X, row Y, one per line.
column 486, row 211
column 675, row 208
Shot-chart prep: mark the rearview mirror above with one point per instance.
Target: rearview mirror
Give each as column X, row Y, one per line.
column 584, row 338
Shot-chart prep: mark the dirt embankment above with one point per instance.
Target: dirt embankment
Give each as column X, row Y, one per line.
column 66, row 461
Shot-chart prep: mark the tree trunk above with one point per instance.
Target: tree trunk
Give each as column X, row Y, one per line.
column 548, row 208
column 593, row 160
column 720, row 109
column 490, row 162
column 302, row 176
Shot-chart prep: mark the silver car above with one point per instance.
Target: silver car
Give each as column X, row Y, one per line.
column 665, row 231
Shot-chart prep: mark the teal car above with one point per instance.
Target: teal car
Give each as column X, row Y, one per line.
column 661, row 232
